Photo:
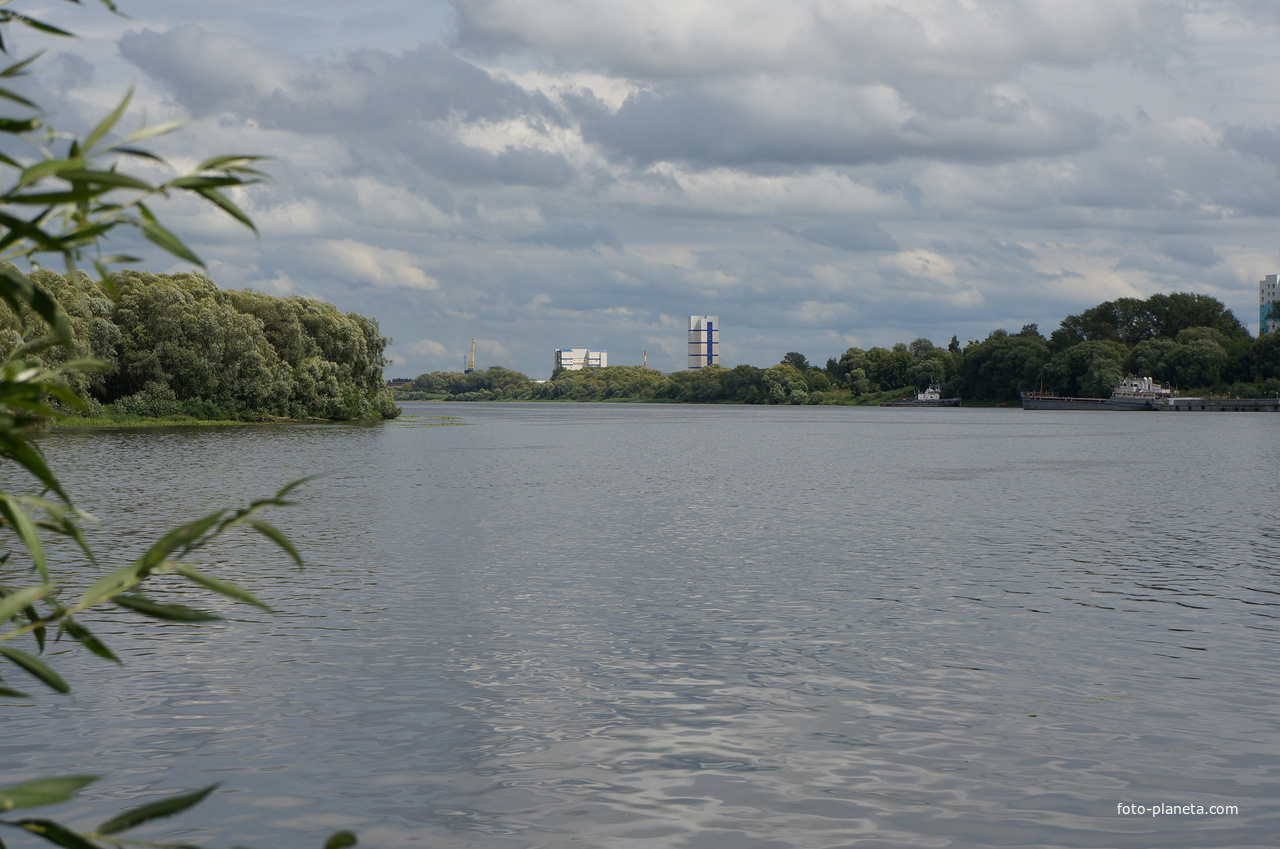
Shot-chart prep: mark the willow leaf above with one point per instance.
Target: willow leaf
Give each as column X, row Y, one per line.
column 106, row 178
column 149, row 133
column 154, row 810
column 57, row 834
column 37, row 668
column 277, row 536
column 225, row 588
column 108, row 123
column 162, row 238
column 84, row 637
column 25, row 527
column 47, row 168
column 14, row 603
column 42, row 791
column 185, row 537
column 168, row 612
column 42, row 26
column 108, row 585
column 226, row 205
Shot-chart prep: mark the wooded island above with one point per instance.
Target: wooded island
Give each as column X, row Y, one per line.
column 175, row 345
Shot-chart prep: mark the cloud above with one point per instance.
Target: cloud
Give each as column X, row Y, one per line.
column 576, row 237
column 406, row 116
column 369, row 265
column 1191, row 252
column 762, row 121
column 583, row 171
column 428, row 348
column 209, row 71
column 860, row 39
column 848, row 236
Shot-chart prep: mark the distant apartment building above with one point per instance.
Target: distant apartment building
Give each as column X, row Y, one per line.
column 704, row 340
column 580, row 358
column 1268, row 294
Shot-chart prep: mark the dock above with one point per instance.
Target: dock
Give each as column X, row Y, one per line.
column 1221, row 405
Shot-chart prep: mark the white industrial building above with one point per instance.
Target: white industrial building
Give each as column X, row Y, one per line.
column 1268, row 294
column 704, row 341
column 573, row 359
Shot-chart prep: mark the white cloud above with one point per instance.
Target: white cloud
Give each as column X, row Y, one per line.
column 384, row 268
column 852, row 38
column 924, row 264
column 428, row 348
column 734, row 192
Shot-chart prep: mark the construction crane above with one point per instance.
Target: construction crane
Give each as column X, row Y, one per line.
column 471, row 363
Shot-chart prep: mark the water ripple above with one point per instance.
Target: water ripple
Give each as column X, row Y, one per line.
column 699, row 628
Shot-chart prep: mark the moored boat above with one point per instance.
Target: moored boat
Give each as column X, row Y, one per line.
column 931, row 397
column 1131, row 393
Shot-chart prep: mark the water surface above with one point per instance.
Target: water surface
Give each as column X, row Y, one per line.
column 698, row 627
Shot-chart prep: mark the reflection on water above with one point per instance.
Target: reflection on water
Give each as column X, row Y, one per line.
column 703, row 628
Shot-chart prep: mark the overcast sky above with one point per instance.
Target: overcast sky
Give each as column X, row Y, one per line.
column 819, row 173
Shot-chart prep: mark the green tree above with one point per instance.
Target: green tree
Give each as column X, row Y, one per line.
column 66, row 203
column 1173, row 313
column 1088, row 370
column 1154, row 358
column 183, row 341
column 817, row 381
column 796, row 360
column 921, row 348
column 743, row 383
column 1199, row 363
column 1265, row 357
column 839, row 369
column 889, row 369
column 90, row 332
column 926, row 372
column 857, row 382
column 1000, row 367
column 1130, row 320
column 784, row 384
column 331, row 363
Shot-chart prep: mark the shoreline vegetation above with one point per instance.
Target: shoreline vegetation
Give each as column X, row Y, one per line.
column 109, row 420
column 1190, row 342
column 154, row 349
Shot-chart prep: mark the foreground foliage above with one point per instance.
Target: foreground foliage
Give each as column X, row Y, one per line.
column 65, row 201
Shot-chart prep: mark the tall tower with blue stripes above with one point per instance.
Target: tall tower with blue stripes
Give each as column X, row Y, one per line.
column 704, row 341
column 1268, row 294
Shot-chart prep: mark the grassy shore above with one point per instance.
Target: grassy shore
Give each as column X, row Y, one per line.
column 130, row 420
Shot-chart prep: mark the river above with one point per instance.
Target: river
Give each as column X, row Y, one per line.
column 703, row 627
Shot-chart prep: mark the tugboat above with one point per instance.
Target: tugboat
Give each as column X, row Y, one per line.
column 931, row 397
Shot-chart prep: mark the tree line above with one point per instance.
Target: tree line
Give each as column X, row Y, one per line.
column 177, row 345
column 1187, row 341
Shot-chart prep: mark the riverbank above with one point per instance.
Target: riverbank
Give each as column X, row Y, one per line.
column 128, row 420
